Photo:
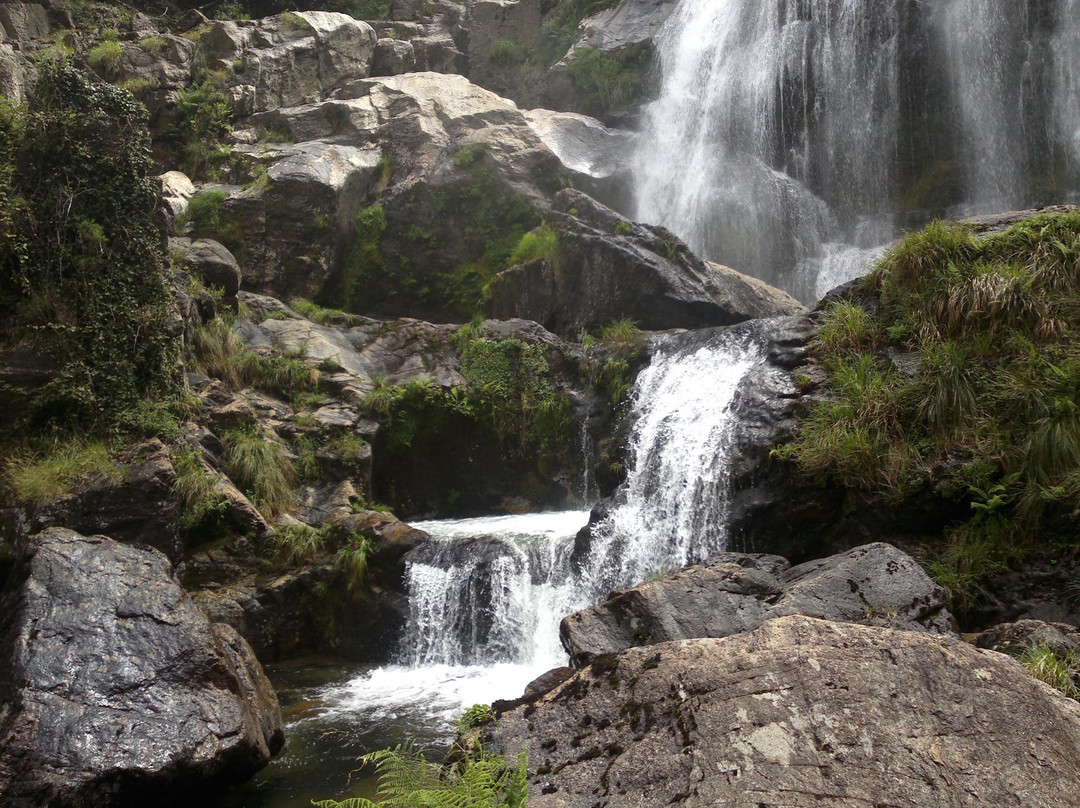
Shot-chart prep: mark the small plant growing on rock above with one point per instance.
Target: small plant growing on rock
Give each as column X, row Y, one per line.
column 543, row 242
column 105, row 56
column 43, row 478
column 621, row 332
column 1060, row 671
column 257, row 463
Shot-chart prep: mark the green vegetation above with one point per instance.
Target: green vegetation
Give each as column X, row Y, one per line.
column 561, row 27
column 363, row 262
column 105, row 56
column 203, row 118
column 201, row 506
column 43, row 478
column 408, row 780
column 317, row 314
column 505, row 52
column 476, row 716
column 83, row 277
column 623, row 228
column 352, row 561
column 1060, row 671
column 543, row 242
column 257, row 463
column 510, row 388
column 964, row 380
column 621, row 332
column 605, row 82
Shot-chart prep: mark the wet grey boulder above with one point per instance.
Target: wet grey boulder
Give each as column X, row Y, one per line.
column 732, row 593
column 798, row 713
column 116, row 688
column 608, row 268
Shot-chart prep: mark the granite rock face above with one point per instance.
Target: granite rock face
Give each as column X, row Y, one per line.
column 115, row 684
column 733, row 592
column 799, row 712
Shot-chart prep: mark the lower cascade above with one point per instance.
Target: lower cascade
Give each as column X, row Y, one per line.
column 487, row 594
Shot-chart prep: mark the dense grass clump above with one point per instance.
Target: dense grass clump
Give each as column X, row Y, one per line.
column 43, row 478
column 956, row 369
column 259, row 466
column 1060, row 671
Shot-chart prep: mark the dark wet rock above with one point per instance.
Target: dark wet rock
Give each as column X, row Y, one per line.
column 608, row 268
column 211, row 262
column 138, row 506
column 732, row 593
column 116, row 688
column 799, row 712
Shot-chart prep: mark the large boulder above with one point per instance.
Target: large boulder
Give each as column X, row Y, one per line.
column 731, row 593
column 607, row 268
column 116, row 688
column 800, row 712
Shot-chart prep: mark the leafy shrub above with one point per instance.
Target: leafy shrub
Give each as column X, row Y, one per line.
column 203, row 117
column 83, row 275
column 408, row 780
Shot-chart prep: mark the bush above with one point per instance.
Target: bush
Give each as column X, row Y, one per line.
column 964, row 381
column 257, row 463
column 1060, row 671
column 105, row 56
column 83, row 276
column 543, row 242
column 203, row 117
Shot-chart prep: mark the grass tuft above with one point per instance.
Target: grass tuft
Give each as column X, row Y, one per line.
column 44, row 478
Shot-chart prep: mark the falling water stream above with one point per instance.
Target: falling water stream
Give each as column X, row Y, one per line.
column 790, row 139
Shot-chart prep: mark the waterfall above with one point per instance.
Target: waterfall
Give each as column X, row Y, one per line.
column 493, row 590
column 791, row 138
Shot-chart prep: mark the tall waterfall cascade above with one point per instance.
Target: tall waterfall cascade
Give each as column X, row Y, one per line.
column 486, row 595
column 791, row 139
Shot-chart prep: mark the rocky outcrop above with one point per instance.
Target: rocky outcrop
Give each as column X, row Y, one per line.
column 136, row 506
column 606, row 268
column 116, row 688
column 1015, row 638
column 732, row 593
column 290, row 59
column 800, row 712
column 212, row 263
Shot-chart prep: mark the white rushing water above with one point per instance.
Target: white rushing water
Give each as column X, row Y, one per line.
column 789, row 136
column 486, row 595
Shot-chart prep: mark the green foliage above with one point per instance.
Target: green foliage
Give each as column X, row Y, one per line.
column 352, row 560
column 295, row 544
column 509, row 383
column 363, row 260
column 232, row 10
column 38, row 479
column 621, row 332
column 83, row 276
column 105, row 56
column 543, row 242
column 317, row 314
column 203, row 117
column 204, row 211
column 560, row 29
column 505, row 52
column 257, row 463
column 476, row 716
column 1060, row 671
column 467, row 155
column 154, row 44
column 408, row 780
column 196, row 491
column 605, row 82
column 291, row 21
column 964, row 381
column 623, row 228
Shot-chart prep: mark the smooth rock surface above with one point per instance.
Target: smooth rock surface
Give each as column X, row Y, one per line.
column 115, row 685
column 800, row 713
column 732, row 593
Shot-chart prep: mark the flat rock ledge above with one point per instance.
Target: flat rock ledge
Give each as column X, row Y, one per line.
column 115, row 689
column 797, row 713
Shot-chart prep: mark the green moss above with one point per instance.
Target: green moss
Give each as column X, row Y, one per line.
column 605, row 82
column 542, row 242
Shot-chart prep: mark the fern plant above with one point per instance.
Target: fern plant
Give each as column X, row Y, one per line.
column 408, row 780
